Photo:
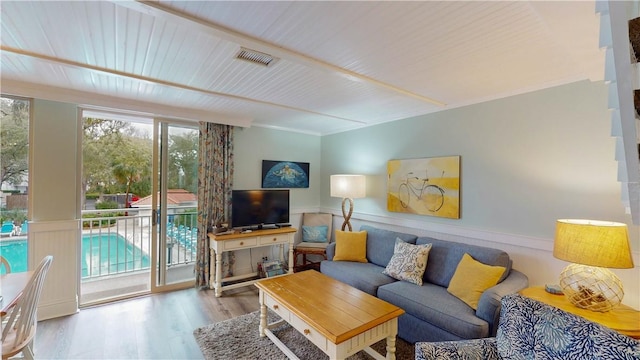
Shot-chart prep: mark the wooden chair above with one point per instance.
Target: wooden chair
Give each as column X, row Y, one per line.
column 312, row 248
column 21, row 319
column 7, row 266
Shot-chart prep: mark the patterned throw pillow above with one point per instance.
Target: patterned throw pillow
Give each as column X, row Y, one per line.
column 315, row 234
column 408, row 262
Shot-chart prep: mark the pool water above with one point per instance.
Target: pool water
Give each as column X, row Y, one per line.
column 102, row 254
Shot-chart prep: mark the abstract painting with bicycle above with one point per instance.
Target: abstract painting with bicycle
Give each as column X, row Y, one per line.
column 426, row 186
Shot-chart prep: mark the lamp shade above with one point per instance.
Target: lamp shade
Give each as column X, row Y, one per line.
column 594, row 243
column 348, row 186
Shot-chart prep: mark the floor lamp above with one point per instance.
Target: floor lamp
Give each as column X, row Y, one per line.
column 348, row 187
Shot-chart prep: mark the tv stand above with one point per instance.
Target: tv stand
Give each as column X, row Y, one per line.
column 245, row 240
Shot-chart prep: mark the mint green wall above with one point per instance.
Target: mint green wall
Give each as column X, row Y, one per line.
column 53, row 188
column 526, row 160
column 252, row 145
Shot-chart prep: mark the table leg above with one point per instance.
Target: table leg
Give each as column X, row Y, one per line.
column 218, row 283
column 391, row 347
column 212, row 269
column 291, row 263
column 263, row 315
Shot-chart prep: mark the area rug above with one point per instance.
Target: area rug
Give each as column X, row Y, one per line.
column 238, row 339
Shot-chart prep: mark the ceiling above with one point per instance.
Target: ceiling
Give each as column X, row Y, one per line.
column 339, row 65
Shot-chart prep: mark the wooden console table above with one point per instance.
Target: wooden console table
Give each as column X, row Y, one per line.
column 622, row 318
column 240, row 241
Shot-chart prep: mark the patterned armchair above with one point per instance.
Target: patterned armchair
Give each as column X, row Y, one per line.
column 530, row 329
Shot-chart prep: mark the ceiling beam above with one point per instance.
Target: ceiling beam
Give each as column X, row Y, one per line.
column 105, row 102
column 158, row 10
column 156, row 81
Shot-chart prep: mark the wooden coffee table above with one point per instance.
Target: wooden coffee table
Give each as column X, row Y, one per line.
column 339, row 319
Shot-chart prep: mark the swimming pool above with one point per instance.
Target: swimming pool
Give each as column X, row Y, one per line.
column 102, row 254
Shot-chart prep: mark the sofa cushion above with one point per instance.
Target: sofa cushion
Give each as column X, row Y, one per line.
column 351, row 246
column 445, row 256
column 408, row 262
column 381, row 243
column 472, row 278
column 364, row 276
column 433, row 304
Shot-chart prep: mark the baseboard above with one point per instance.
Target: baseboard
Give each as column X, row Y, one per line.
column 54, row 310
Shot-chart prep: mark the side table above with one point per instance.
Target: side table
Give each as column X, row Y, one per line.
column 622, row 318
column 219, row 244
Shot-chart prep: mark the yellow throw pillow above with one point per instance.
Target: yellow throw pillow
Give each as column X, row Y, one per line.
column 351, row 246
column 472, row 278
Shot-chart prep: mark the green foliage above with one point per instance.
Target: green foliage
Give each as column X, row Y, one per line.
column 116, row 158
column 17, row 216
column 107, row 205
column 92, row 196
column 188, row 219
column 183, row 160
column 98, row 220
column 14, row 141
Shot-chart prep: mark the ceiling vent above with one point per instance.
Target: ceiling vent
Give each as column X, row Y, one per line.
column 256, row 57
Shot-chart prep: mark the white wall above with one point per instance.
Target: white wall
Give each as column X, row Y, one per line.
column 53, row 195
column 251, row 146
column 526, row 161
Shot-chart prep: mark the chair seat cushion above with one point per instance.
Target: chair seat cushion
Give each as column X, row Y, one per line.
column 311, row 245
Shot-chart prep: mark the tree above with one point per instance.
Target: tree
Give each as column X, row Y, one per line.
column 131, row 163
column 101, row 138
column 14, row 137
column 183, row 161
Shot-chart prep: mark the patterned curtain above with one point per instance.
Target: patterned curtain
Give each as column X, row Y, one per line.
column 215, row 181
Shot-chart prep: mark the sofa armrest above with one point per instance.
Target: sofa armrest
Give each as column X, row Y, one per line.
column 464, row 349
column 331, row 250
column 489, row 304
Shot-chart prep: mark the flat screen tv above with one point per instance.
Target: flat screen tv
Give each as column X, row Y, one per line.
column 255, row 209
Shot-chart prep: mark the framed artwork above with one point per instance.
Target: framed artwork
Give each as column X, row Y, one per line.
column 427, row 186
column 285, row 174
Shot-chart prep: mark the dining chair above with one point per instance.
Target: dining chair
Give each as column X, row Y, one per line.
column 7, row 266
column 19, row 331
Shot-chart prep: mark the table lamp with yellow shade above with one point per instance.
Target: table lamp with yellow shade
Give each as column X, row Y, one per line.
column 592, row 247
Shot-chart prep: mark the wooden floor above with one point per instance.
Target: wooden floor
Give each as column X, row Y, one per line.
column 151, row 327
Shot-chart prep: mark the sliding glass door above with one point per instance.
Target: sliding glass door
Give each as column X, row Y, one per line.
column 174, row 204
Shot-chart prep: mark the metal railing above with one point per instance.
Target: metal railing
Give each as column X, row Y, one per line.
column 119, row 241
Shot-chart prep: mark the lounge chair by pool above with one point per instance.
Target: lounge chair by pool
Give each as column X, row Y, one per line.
column 8, row 228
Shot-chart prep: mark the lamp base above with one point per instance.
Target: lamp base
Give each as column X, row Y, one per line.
column 345, row 214
column 593, row 288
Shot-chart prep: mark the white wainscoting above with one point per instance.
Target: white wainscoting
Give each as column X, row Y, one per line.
column 531, row 255
column 59, row 239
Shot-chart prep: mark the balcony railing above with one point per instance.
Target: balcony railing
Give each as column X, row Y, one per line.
column 119, row 241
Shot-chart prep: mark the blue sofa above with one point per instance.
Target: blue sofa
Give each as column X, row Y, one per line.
column 530, row 329
column 431, row 313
